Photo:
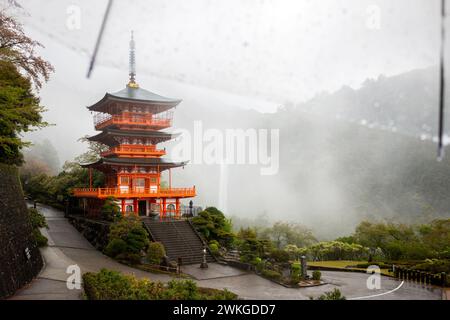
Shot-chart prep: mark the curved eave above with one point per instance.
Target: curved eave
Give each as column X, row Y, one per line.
column 108, row 136
column 105, row 163
column 160, row 104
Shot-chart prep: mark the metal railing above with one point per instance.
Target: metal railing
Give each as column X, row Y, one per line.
column 102, row 120
column 134, row 150
column 134, row 192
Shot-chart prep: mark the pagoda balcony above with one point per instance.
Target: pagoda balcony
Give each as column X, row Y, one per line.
column 130, row 120
column 135, row 192
column 132, row 150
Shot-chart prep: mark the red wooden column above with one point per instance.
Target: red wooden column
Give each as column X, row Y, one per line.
column 135, row 206
column 123, row 206
column 164, row 207
column 177, row 207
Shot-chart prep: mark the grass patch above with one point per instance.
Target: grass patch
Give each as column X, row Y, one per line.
column 347, row 265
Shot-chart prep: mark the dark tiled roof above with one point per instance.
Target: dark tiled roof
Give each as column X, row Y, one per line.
column 139, row 95
column 107, row 136
column 145, row 162
column 142, row 95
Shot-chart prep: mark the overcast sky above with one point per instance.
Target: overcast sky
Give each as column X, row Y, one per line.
column 249, row 54
column 271, row 50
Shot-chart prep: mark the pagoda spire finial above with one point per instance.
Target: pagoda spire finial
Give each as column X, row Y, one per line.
column 132, row 64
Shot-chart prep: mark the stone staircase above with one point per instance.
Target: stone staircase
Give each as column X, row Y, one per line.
column 179, row 239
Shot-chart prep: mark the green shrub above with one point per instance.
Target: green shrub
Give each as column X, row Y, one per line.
column 316, row 275
column 127, row 257
column 127, row 238
column 112, row 285
column 332, row 295
column 110, row 210
column 279, row 255
column 182, row 290
column 252, row 248
column 107, row 285
column 40, row 239
column 295, row 271
column 434, row 266
column 382, row 265
column 259, row 264
column 213, row 224
column 214, row 248
column 271, row 274
column 37, row 220
column 115, row 247
column 155, row 252
column 220, row 295
column 214, row 242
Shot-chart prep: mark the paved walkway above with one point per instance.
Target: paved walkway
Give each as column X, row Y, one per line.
column 68, row 247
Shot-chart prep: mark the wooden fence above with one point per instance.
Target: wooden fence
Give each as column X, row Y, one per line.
column 418, row 276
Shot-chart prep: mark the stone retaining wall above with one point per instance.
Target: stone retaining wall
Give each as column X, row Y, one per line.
column 20, row 259
column 96, row 232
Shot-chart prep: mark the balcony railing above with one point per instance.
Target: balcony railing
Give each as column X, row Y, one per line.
column 134, row 151
column 135, row 192
column 102, row 120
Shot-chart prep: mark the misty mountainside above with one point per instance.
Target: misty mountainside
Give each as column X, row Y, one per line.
column 407, row 102
column 334, row 173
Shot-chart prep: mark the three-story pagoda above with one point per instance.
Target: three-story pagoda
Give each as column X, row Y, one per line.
column 130, row 122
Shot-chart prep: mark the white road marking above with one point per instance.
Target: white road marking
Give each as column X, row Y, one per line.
column 380, row 294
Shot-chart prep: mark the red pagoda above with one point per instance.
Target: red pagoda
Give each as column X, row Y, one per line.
column 131, row 123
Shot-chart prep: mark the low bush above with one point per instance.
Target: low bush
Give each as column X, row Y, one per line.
column 115, row 247
column 332, row 295
column 37, row 220
column 182, row 290
column 110, row 210
column 316, row 275
column 295, row 272
column 382, row 265
column 130, row 258
column 213, row 225
column 279, row 255
column 127, row 239
column 40, row 239
column 271, row 274
column 434, row 266
column 214, row 247
column 112, row 285
column 215, row 294
column 155, row 252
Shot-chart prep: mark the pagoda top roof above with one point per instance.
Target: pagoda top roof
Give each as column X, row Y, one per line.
column 107, row 136
column 163, row 164
column 135, row 95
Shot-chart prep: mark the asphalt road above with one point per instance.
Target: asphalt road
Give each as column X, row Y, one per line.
column 68, row 247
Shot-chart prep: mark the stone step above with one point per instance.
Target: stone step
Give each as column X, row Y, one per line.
column 179, row 240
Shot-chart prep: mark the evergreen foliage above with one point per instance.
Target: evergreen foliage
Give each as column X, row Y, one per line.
column 127, row 239
column 20, row 109
column 112, row 285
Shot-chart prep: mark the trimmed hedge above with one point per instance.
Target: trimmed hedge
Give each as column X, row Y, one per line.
column 113, row 285
column 271, row 274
